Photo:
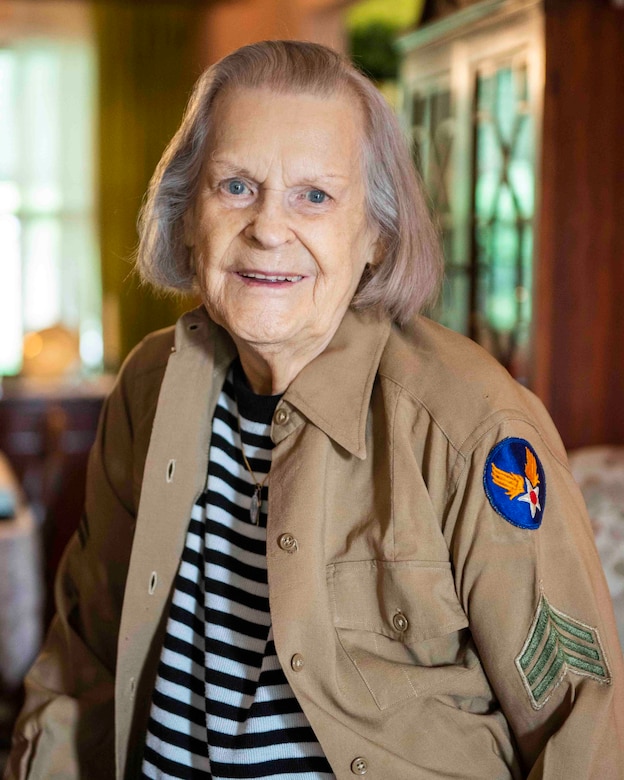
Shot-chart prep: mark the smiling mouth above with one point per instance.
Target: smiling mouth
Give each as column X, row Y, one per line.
column 271, row 278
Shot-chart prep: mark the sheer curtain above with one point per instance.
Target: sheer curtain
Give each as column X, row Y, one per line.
column 82, row 126
column 49, row 272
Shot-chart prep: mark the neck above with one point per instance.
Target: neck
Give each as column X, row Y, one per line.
column 270, row 371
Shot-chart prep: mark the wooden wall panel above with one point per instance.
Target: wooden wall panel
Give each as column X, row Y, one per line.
column 579, row 335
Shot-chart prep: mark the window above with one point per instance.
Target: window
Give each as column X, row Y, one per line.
column 49, row 263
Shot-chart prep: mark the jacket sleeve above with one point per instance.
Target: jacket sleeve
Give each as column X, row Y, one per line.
column 529, row 578
column 65, row 729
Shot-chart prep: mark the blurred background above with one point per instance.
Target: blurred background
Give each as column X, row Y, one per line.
column 514, row 110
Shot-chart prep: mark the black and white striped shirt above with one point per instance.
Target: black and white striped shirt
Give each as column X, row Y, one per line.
column 222, row 707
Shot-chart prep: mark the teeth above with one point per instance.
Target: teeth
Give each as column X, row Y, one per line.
column 270, row 278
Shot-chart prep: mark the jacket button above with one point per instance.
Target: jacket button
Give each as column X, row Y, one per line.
column 400, row 622
column 281, row 416
column 359, row 766
column 296, row 662
column 288, row 543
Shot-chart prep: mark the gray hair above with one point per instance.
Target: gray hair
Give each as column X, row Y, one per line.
column 408, row 275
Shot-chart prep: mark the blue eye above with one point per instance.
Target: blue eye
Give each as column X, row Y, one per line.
column 236, row 187
column 316, row 196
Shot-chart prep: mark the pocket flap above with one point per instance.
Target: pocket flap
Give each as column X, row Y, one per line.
column 368, row 596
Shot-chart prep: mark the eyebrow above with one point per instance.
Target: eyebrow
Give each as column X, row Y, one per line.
column 229, row 168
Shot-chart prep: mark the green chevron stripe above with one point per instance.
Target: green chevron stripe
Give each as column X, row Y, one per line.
column 544, row 657
column 570, row 644
column 571, row 628
column 558, row 644
column 536, row 638
column 578, row 663
column 549, row 678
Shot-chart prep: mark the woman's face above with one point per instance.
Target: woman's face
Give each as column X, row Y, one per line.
column 278, row 230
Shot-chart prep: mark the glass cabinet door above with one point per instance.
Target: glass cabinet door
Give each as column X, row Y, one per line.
column 472, row 103
column 503, row 211
column 433, row 125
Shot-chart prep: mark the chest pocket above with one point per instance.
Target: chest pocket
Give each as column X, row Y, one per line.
column 402, row 626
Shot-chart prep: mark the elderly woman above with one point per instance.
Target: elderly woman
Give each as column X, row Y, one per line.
column 324, row 537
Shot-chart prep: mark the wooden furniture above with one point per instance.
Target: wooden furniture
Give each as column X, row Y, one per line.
column 472, row 88
column 517, row 113
column 21, row 585
column 21, row 597
column 579, row 323
column 46, row 432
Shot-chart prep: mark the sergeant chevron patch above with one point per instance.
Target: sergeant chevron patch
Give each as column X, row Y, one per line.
column 558, row 644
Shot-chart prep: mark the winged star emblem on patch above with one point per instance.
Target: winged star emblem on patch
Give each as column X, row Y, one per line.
column 515, row 484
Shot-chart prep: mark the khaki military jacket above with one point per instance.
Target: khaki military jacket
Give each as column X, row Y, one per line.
column 424, row 634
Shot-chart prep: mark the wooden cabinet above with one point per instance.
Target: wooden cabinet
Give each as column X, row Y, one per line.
column 472, row 88
column 516, row 109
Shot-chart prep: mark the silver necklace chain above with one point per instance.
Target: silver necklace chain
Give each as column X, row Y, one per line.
column 256, row 499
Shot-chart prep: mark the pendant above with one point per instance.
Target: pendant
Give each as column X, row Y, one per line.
column 254, row 507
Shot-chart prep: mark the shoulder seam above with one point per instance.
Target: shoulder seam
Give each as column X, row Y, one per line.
column 419, row 400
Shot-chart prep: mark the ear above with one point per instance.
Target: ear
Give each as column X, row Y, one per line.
column 378, row 255
column 378, row 252
column 188, row 222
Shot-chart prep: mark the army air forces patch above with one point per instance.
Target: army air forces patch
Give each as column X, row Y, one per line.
column 515, row 484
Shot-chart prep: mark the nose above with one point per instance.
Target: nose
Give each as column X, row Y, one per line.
column 269, row 226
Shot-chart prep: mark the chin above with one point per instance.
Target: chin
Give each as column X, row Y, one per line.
column 263, row 327
column 262, row 337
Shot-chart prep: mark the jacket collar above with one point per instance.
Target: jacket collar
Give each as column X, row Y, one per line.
column 334, row 390
column 195, row 330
